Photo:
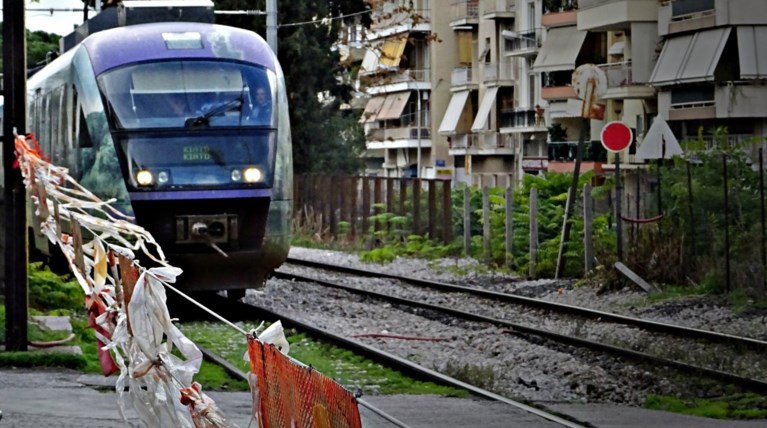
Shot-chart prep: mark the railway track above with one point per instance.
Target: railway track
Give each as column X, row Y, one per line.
column 681, row 333
column 244, row 312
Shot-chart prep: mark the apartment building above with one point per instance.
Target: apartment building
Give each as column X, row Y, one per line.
column 401, row 73
column 712, row 68
column 492, row 80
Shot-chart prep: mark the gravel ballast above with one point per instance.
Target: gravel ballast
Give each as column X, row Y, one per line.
column 524, row 368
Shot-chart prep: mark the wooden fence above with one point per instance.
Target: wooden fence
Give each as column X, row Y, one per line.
column 350, row 207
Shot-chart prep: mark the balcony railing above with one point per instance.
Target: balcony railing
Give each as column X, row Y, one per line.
column 618, row 74
column 485, row 141
column 525, row 41
column 413, row 76
column 392, row 14
column 393, row 134
column 497, row 6
column 491, row 141
column 681, row 8
column 466, row 9
column 515, row 118
column 495, row 72
column 694, row 96
column 556, row 6
column 461, row 76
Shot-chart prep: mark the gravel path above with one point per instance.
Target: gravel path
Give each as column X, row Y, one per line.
column 521, row 368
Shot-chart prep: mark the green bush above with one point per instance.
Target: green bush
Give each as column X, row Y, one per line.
column 48, row 291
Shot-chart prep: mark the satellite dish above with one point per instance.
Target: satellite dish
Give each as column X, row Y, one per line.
column 586, row 73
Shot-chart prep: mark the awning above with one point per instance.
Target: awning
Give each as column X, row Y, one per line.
column 372, row 108
column 753, row 60
column 392, row 50
column 370, row 60
column 453, row 112
column 393, row 106
column 691, row 58
column 560, row 49
column 484, row 109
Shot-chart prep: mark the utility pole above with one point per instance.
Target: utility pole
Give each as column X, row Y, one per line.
column 14, row 117
column 271, row 24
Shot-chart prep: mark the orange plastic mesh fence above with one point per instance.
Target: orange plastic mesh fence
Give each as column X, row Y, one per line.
column 290, row 395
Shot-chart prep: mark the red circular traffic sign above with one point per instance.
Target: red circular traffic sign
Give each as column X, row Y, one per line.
column 616, row 136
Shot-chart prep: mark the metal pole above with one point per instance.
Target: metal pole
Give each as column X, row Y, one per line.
column 691, row 209
column 618, row 208
column 761, row 207
column 15, row 92
column 271, row 24
column 418, row 131
column 571, row 200
column 726, row 224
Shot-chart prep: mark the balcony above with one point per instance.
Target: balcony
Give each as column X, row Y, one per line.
column 498, row 9
column 521, row 120
column 398, row 138
column 489, row 143
column 464, row 12
column 393, row 18
column 497, row 74
column 620, row 84
column 690, row 15
column 525, row 43
column 558, row 92
column 562, row 156
column 559, row 13
column 738, row 100
column 400, row 80
column 615, row 15
column 463, row 78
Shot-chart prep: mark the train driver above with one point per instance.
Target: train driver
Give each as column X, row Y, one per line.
column 262, row 109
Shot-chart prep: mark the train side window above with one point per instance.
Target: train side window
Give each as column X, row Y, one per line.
column 83, row 137
column 73, row 118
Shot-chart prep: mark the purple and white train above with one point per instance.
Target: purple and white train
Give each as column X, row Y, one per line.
column 185, row 125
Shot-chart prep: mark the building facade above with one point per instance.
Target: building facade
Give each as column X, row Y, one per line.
column 481, row 91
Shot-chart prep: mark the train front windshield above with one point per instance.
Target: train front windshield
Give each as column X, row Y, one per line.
column 186, row 124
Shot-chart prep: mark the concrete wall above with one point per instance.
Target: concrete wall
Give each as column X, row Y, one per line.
column 443, row 57
column 644, row 40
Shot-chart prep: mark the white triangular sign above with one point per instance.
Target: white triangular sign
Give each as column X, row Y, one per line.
column 659, row 142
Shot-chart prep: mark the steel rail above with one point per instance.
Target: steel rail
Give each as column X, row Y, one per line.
column 235, row 372
column 394, row 361
column 753, row 384
column 649, row 325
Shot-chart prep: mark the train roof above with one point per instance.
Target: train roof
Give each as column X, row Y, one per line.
column 115, row 47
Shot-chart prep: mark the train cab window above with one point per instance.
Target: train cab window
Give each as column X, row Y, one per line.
column 175, row 94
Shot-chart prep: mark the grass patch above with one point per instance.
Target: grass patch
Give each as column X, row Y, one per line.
column 737, row 406
column 352, row 371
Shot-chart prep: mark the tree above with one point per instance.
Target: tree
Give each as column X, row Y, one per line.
column 39, row 44
column 325, row 138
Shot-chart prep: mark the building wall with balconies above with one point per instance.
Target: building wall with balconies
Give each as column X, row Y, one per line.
column 680, row 16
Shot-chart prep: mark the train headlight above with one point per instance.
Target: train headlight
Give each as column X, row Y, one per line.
column 162, row 177
column 236, row 175
column 252, row 174
column 144, row 178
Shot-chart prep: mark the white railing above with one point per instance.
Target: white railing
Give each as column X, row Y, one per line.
column 494, row 71
column 461, row 76
column 466, row 9
column 618, row 74
column 495, row 6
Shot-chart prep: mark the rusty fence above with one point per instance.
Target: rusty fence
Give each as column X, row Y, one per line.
column 356, row 208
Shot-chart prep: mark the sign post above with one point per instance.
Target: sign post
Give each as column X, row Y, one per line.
column 616, row 137
column 589, row 83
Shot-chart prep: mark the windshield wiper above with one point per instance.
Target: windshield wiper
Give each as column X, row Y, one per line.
column 204, row 120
